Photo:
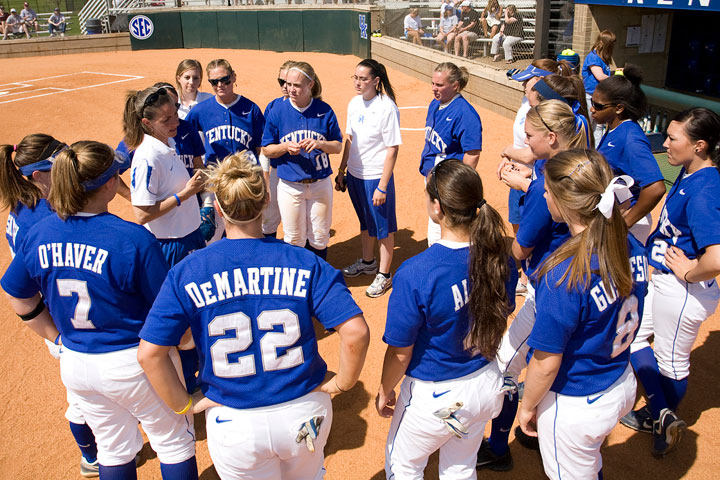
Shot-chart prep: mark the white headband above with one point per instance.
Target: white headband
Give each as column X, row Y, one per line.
column 619, row 188
column 232, row 220
column 306, row 75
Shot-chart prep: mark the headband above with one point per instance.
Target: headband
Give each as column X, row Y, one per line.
column 581, row 122
column 120, row 163
column 46, row 163
column 232, row 220
column 306, row 75
column 548, row 93
column 618, row 189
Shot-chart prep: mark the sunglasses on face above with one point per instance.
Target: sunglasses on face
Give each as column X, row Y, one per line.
column 600, row 106
column 152, row 99
column 226, row 80
column 282, row 82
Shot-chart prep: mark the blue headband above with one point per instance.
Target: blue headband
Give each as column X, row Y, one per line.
column 121, row 162
column 548, row 93
column 43, row 165
column 580, row 121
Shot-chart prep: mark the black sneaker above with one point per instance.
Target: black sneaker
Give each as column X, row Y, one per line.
column 667, row 433
column 487, row 459
column 639, row 420
column 526, row 440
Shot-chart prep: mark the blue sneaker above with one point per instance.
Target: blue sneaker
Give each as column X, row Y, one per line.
column 667, row 433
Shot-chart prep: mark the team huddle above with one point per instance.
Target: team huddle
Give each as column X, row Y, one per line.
column 197, row 307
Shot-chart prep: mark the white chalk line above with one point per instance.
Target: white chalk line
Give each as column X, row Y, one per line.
column 409, row 108
column 126, row 79
column 413, row 129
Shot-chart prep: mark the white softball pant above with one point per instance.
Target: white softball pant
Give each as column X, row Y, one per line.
column 306, row 212
column 415, row 433
column 260, row 443
column 113, row 394
column 512, row 354
column 571, row 430
column 674, row 311
column 271, row 215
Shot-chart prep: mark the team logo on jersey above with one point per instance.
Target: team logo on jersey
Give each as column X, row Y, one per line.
column 141, row 27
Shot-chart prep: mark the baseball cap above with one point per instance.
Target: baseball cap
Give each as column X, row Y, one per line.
column 529, row 72
column 12, row 10
column 466, row 3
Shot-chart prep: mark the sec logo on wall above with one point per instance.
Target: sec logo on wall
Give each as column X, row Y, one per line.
column 141, row 27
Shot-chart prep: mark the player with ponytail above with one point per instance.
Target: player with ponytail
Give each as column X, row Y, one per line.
column 589, row 302
column 98, row 276
column 446, row 316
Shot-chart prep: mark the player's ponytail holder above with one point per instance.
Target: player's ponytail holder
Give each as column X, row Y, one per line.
column 481, row 203
column 15, row 148
column 618, row 189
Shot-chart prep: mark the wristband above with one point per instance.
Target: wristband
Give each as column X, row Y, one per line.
column 57, row 340
column 381, row 190
column 338, row 386
column 35, row 312
column 341, row 170
column 187, row 407
column 177, row 199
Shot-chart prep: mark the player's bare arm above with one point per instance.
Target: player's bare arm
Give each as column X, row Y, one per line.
column 43, row 323
column 706, row 267
column 647, row 199
column 395, row 365
column 471, row 157
column 354, row 342
column 541, row 373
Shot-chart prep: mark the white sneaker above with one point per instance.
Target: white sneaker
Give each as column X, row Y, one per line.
column 361, row 268
column 89, row 470
column 380, row 285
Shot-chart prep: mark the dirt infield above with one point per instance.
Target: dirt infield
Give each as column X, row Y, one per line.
column 79, row 97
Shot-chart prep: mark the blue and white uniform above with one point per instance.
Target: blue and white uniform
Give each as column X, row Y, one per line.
column 271, row 214
column 675, row 309
column 99, row 276
column 304, row 191
column 628, row 152
column 21, row 218
column 592, row 328
column 228, row 129
column 250, row 305
column 590, row 82
column 428, row 310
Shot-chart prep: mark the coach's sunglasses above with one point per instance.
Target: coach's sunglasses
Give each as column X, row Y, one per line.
column 600, row 106
column 226, row 80
column 152, row 99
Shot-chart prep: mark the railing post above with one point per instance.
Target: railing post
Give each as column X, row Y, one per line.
column 542, row 28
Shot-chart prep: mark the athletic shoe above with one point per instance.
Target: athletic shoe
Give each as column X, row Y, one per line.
column 487, row 459
column 639, row 420
column 361, row 268
column 667, row 432
column 526, row 440
column 380, row 285
column 89, row 470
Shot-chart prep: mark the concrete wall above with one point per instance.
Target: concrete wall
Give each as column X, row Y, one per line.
column 63, row 45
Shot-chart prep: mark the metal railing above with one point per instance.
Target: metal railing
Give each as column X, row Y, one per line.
column 95, row 9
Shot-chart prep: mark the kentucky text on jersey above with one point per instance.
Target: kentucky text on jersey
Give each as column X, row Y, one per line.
column 75, row 255
column 298, row 135
column 286, row 281
column 435, row 139
column 11, row 228
column 228, row 132
column 461, row 297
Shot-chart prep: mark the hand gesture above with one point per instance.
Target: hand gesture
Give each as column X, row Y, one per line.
column 383, row 403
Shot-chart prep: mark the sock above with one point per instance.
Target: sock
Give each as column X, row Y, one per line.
column 320, row 252
column 674, row 390
column 600, row 475
column 646, row 369
column 190, row 363
column 502, row 424
column 85, row 441
column 268, row 235
column 368, row 263
column 119, row 472
column 386, row 275
column 186, row 470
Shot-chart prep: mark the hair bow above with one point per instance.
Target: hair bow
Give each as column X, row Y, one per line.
column 619, row 188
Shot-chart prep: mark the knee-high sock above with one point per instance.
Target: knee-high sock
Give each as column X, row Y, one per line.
column 119, row 472
column 674, row 390
column 85, row 440
column 186, row 470
column 502, row 424
column 646, row 369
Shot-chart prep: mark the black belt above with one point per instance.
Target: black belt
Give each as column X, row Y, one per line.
column 309, row 180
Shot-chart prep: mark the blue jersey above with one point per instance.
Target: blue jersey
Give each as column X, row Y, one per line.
column 285, row 123
column 250, row 304
column 98, row 273
column 537, row 229
column 21, row 218
column 450, row 131
column 273, row 161
column 589, row 80
column 690, row 218
column 428, row 308
column 628, row 152
column 589, row 326
column 228, row 130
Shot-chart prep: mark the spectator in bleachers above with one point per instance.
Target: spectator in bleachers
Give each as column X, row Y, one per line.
column 30, row 17
column 413, row 26
column 56, row 23
column 15, row 24
column 511, row 32
column 491, row 17
column 468, row 28
column 3, row 18
column 448, row 25
column 447, row 5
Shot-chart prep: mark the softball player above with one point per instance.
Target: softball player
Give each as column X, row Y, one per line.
column 301, row 134
column 550, row 128
column 589, row 301
column 271, row 215
column 443, row 331
column 188, row 77
column 452, row 126
column 684, row 250
column 24, row 186
column 371, row 148
column 618, row 102
column 596, row 68
column 99, row 275
column 250, row 302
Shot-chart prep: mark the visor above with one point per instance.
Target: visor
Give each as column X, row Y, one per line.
column 120, row 163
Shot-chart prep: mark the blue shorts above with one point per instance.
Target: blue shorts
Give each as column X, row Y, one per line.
column 378, row 221
column 175, row 249
column 515, row 208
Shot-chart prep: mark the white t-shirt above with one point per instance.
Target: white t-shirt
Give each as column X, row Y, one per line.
column 158, row 173
column 519, row 125
column 412, row 23
column 183, row 110
column 447, row 23
column 374, row 126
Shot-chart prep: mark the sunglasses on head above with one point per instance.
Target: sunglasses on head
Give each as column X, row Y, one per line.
column 282, row 82
column 226, row 80
column 600, row 106
column 152, row 99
